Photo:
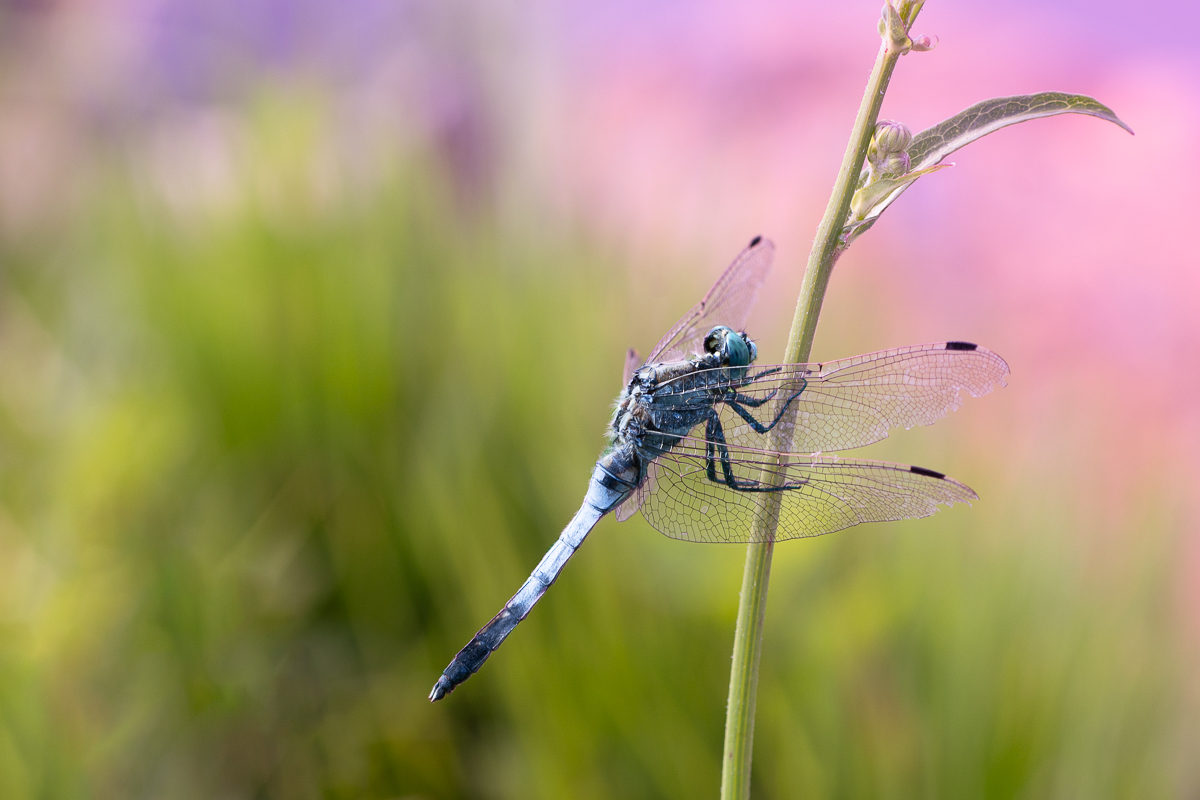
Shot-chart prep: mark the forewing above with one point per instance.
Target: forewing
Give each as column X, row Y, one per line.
column 822, row 495
column 727, row 303
column 840, row 405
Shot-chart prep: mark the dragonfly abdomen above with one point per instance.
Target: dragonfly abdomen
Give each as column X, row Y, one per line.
column 613, row 480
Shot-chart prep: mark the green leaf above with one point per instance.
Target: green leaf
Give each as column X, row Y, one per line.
column 932, row 145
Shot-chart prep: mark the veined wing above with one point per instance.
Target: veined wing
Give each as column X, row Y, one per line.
column 852, row 402
column 821, row 494
column 634, row 502
column 727, row 303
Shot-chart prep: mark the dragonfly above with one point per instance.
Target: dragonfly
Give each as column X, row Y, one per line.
column 710, row 447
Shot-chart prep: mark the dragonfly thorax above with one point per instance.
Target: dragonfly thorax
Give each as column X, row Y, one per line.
column 664, row 401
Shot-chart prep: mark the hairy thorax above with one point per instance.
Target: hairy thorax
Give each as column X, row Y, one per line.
column 662, row 403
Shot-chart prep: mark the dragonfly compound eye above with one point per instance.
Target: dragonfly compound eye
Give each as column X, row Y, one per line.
column 737, row 354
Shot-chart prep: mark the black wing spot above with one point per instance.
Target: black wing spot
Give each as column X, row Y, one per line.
column 961, row 346
column 754, row 242
column 927, row 472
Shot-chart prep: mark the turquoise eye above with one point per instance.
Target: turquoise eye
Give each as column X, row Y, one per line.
column 736, row 351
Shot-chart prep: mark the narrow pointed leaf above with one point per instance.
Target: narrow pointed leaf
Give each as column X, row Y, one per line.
column 932, row 145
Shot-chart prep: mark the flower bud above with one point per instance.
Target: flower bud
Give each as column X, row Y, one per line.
column 894, row 164
column 892, row 137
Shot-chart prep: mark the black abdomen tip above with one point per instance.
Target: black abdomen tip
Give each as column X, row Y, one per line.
column 754, row 242
column 440, row 689
column 929, row 473
column 961, row 346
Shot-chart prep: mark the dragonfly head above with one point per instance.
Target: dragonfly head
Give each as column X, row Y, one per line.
column 735, row 349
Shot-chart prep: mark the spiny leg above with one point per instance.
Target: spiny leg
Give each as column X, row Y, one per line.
column 736, row 404
column 715, row 445
column 715, row 440
column 753, row 402
column 750, row 401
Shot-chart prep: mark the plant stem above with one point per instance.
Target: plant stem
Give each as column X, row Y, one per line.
column 747, row 641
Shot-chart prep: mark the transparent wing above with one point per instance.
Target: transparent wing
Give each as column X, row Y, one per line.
column 821, row 495
column 632, row 503
column 840, row 405
column 727, row 303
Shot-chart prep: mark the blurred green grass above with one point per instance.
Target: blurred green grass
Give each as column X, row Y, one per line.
column 267, row 463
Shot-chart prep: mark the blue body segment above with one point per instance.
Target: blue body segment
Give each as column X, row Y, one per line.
column 602, row 497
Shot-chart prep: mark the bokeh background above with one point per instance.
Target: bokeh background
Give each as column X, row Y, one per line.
column 311, row 315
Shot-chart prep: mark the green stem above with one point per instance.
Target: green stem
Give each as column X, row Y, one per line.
column 747, row 641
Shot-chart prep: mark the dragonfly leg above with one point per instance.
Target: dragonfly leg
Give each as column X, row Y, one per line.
column 716, row 447
column 714, row 437
column 754, row 402
column 758, row 427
